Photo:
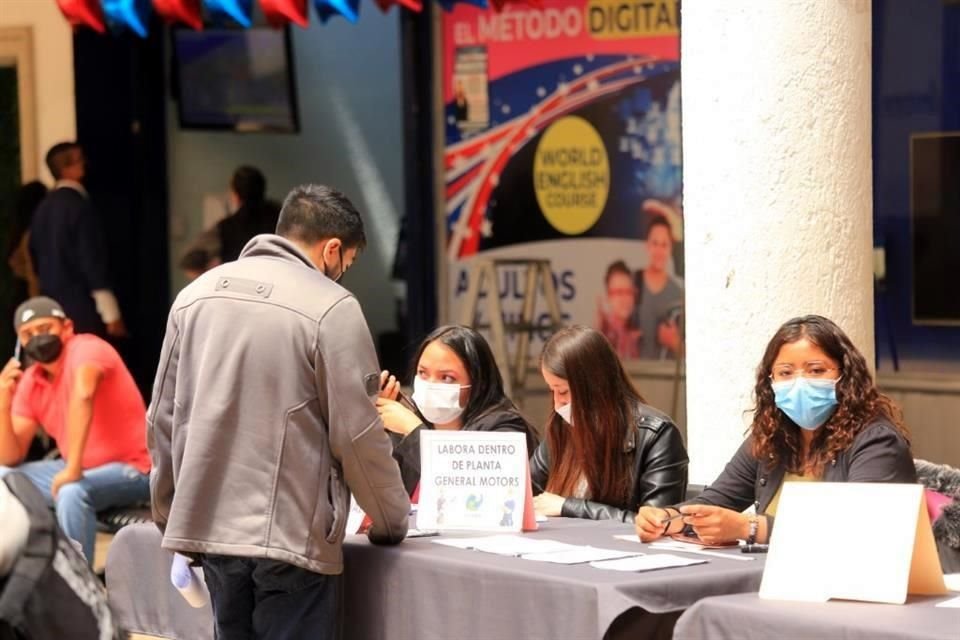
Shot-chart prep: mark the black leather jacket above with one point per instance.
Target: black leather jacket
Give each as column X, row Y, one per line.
column 659, row 469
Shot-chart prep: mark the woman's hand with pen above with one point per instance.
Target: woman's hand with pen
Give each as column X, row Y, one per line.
column 715, row 524
column 654, row 522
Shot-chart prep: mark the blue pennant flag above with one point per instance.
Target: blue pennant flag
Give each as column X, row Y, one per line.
column 240, row 11
column 326, row 9
column 127, row 14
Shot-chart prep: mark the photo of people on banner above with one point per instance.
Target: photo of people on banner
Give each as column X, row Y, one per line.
column 563, row 142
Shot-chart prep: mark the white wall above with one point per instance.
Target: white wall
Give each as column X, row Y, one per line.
column 53, row 60
column 351, row 137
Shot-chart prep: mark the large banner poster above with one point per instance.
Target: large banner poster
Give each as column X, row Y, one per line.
column 563, row 142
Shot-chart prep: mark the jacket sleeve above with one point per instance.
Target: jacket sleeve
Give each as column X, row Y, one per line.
column 592, row 510
column 735, row 488
column 406, row 451
column 347, row 365
column 661, row 474
column 540, row 468
column 880, row 454
column 160, row 425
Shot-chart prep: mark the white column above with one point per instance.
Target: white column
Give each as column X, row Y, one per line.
column 777, row 193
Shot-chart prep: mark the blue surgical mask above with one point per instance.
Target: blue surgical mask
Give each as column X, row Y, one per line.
column 809, row 402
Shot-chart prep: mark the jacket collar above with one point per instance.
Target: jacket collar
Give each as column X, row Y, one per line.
column 274, row 246
column 71, row 184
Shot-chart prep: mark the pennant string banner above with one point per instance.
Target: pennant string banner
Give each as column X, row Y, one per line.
column 83, row 13
column 133, row 15
column 188, row 12
column 282, row 12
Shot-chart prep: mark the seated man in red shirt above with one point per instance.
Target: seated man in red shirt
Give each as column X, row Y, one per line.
column 80, row 393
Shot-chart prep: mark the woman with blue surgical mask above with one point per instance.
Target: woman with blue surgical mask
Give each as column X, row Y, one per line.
column 818, row 418
column 606, row 452
column 456, row 386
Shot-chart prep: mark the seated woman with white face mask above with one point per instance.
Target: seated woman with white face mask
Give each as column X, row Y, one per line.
column 606, row 453
column 457, row 386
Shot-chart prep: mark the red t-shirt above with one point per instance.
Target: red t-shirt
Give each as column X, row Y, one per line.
column 118, row 431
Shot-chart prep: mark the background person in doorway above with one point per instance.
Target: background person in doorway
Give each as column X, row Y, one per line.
column 67, row 246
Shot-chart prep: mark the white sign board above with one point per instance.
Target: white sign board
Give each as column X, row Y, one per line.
column 472, row 480
column 852, row 541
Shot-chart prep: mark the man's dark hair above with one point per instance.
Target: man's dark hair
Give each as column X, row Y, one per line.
column 58, row 158
column 195, row 260
column 313, row 212
column 249, row 184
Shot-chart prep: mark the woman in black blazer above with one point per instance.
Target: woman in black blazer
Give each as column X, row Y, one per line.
column 818, row 417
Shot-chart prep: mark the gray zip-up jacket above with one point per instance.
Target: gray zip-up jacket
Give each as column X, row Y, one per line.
column 263, row 415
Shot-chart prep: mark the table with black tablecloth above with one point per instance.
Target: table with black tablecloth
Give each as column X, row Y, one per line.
column 429, row 591
column 745, row 616
column 426, row 591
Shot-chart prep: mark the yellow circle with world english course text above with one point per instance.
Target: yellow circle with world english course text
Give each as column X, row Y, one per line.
column 571, row 175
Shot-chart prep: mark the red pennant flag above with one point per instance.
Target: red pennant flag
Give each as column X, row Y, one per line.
column 280, row 12
column 412, row 5
column 186, row 11
column 83, row 13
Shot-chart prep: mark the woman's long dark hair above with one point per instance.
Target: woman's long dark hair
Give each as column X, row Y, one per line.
column 604, row 403
column 486, row 383
column 776, row 440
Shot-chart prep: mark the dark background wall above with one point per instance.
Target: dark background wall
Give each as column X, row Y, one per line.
column 121, row 124
column 916, row 89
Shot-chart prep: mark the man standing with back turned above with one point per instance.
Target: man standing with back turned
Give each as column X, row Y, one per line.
column 263, row 415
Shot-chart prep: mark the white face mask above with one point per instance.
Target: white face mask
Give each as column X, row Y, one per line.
column 439, row 402
column 565, row 412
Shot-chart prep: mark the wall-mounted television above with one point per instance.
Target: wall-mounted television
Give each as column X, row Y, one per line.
column 235, row 79
column 935, row 218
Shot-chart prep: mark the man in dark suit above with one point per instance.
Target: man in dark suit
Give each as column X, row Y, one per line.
column 68, row 250
column 254, row 213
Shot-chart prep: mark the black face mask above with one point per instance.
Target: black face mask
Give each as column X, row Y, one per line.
column 44, row 348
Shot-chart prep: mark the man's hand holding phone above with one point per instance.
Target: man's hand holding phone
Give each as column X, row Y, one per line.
column 9, row 378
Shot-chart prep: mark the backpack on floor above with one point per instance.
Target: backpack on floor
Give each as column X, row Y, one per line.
column 51, row 592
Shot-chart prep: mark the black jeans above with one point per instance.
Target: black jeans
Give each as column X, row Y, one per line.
column 255, row 598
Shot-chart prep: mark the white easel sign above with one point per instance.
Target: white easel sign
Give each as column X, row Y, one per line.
column 472, row 480
column 851, row 541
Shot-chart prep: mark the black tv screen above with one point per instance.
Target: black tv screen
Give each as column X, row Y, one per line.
column 237, row 79
column 935, row 200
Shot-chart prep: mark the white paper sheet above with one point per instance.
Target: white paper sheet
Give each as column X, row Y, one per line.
column 952, row 603
column 647, row 563
column 506, row 545
column 952, row 580
column 685, row 547
column 579, row 555
column 354, row 518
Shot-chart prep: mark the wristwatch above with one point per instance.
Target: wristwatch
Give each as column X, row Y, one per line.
column 754, row 522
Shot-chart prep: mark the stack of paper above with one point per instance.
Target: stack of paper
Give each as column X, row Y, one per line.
column 578, row 555
column 646, row 563
column 537, row 549
column 506, row 545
